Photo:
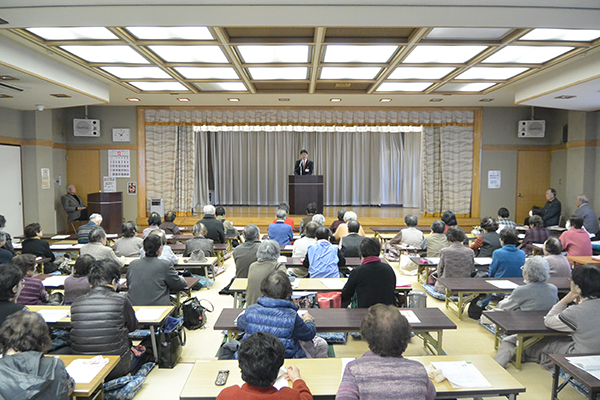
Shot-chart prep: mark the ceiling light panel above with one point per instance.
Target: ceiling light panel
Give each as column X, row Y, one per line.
column 403, row 86
column 106, row 54
column 207, row 72
column 420, row 72
column 465, row 87
column 137, row 72
column 527, row 54
column 572, row 35
column 84, row 33
column 349, row 72
column 221, row 86
column 160, row 86
column 443, row 54
column 467, row 33
column 171, row 33
column 277, row 73
column 203, row 54
column 358, row 54
column 274, row 54
column 495, row 73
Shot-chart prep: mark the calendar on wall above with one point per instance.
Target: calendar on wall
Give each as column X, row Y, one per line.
column 119, row 164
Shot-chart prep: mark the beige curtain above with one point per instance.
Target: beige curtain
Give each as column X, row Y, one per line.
column 161, row 160
column 185, row 168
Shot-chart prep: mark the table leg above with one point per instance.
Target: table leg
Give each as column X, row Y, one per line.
column 555, row 375
column 519, row 351
column 153, row 340
column 447, row 302
column 497, row 338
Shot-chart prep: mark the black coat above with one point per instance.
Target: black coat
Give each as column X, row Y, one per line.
column 298, row 168
column 214, row 227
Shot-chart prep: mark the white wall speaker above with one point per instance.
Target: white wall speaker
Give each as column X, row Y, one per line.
column 532, row 129
column 86, row 127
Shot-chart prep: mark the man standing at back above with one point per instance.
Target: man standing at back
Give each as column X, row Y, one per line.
column 73, row 205
column 322, row 259
column 245, row 253
column 214, row 227
column 552, row 208
column 590, row 222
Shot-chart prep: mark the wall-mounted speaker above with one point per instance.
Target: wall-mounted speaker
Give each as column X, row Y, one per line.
column 532, row 129
column 86, row 127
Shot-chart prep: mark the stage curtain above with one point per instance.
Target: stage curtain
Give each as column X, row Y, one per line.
column 412, row 187
column 161, row 160
column 184, row 169
column 456, row 143
column 201, row 196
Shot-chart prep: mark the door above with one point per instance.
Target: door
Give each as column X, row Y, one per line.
column 83, row 171
column 533, row 179
column 11, row 201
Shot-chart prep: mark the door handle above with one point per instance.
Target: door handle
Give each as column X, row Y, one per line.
column 519, row 195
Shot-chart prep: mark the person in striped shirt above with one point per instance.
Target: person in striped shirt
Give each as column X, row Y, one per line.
column 33, row 292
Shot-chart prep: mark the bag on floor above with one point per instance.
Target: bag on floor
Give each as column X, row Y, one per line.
column 475, row 309
column 171, row 338
column 330, row 300
column 194, row 313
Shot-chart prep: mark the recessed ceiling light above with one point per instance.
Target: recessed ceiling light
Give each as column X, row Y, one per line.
column 203, row 54
column 106, row 54
column 341, row 53
column 137, row 72
column 3, row 22
column 207, row 72
column 183, row 99
column 527, row 54
column 7, row 78
column 222, row 86
column 132, row 99
column 385, row 100
column 465, row 87
column 403, row 86
column 335, row 100
column 420, row 72
column 160, row 86
column 467, row 33
column 61, row 95
column 349, row 72
column 284, row 99
column 278, row 73
column 486, row 100
column 274, row 54
column 173, row 32
column 495, row 73
column 435, row 100
column 565, row 97
column 233, row 99
column 443, row 54
column 573, row 35
column 5, row 96
column 79, row 33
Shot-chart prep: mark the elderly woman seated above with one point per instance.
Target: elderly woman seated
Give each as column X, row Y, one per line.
column 267, row 256
column 576, row 241
column 342, row 229
column 537, row 233
column 26, row 373
column 456, row 261
column 129, row 245
column 98, row 249
column 489, row 240
column 557, row 262
column 436, row 240
column 275, row 313
column 410, row 235
column 167, row 252
column 382, row 372
column 199, row 242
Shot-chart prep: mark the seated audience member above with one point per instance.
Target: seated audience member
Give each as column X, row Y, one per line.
column 311, row 210
column 410, row 235
column 436, row 240
column 503, row 220
column 168, row 225
column 337, row 222
column 167, row 252
column 106, row 316
column 260, row 358
column 559, row 264
column 33, row 244
column 590, row 222
column 11, row 283
column 150, row 279
column 286, row 207
column 488, row 241
column 214, row 228
column 301, row 247
column 536, row 294
column 78, row 284
column 449, row 218
column 349, row 244
column 83, row 232
column 267, row 255
column 98, row 249
column 245, row 253
column 576, row 241
column 374, row 281
column 580, row 319
column 129, row 245
column 26, row 373
column 535, row 210
column 279, row 231
column 154, row 222
column 508, row 260
column 457, row 260
column 8, row 240
column 382, row 372
column 227, row 225
column 199, row 242
column 342, row 229
column 275, row 313
column 319, row 219
column 33, row 292
column 323, row 260
column 537, row 232
column 551, row 209
column 5, row 255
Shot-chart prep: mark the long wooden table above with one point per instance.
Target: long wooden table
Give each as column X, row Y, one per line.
column 426, row 265
column 323, row 377
column 589, row 381
column 583, row 260
column 185, row 263
column 95, row 387
column 350, row 319
column 470, row 288
column 527, row 325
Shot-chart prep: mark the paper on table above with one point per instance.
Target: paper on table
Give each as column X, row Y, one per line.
column 282, row 259
column 590, row 364
column 281, row 382
column 302, row 312
column 296, row 295
column 538, row 245
column 84, row 370
column 503, row 284
column 288, row 247
column 112, row 235
column 78, row 245
column 169, row 236
column 236, row 318
column 122, row 281
column 433, row 260
column 149, row 314
column 55, row 280
column 59, row 237
column 402, row 282
column 60, row 246
column 296, row 283
column 17, row 246
column 333, row 283
column 345, row 362
column 53, row 315
column 462, row 374
column 483, row 260
column 410, row 316
column 521, row 236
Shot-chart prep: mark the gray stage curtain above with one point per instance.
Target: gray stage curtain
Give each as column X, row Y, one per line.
column 201, row 178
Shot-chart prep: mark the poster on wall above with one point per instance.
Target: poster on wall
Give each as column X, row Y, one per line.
column 131, row 188
column 119, row 164
column 45, row 178
column 109, row 185
column 494, row 180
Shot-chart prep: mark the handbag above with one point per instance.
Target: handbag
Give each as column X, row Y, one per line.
column 171, row 338
column 194, row 313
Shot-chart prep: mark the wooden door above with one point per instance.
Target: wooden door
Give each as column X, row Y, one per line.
column 533, row 179
column 83, row 171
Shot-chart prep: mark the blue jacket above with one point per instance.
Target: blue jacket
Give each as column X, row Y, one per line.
column 507, row 262
column 324, row 260
column 279, row 317
column 281, row 232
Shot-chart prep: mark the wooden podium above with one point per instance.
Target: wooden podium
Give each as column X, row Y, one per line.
column 304, row 189
column 110, row 206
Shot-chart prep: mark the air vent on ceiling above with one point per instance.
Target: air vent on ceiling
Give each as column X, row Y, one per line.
column 342, row 85
column 10, row 88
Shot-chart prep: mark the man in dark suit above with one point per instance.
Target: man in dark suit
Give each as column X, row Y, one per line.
column 214, row 227
column 552, row 209
column 303, row 166
column 73, row 205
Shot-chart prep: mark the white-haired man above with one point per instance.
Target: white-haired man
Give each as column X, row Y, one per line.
column 73, row 205
column 83, row 233
column 590, row 222
column 214, row 227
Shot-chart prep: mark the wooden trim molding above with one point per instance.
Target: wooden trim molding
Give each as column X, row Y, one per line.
column 141, row 153
column 554, row 147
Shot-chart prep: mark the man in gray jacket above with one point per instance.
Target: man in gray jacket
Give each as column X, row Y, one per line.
column 590, row 222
